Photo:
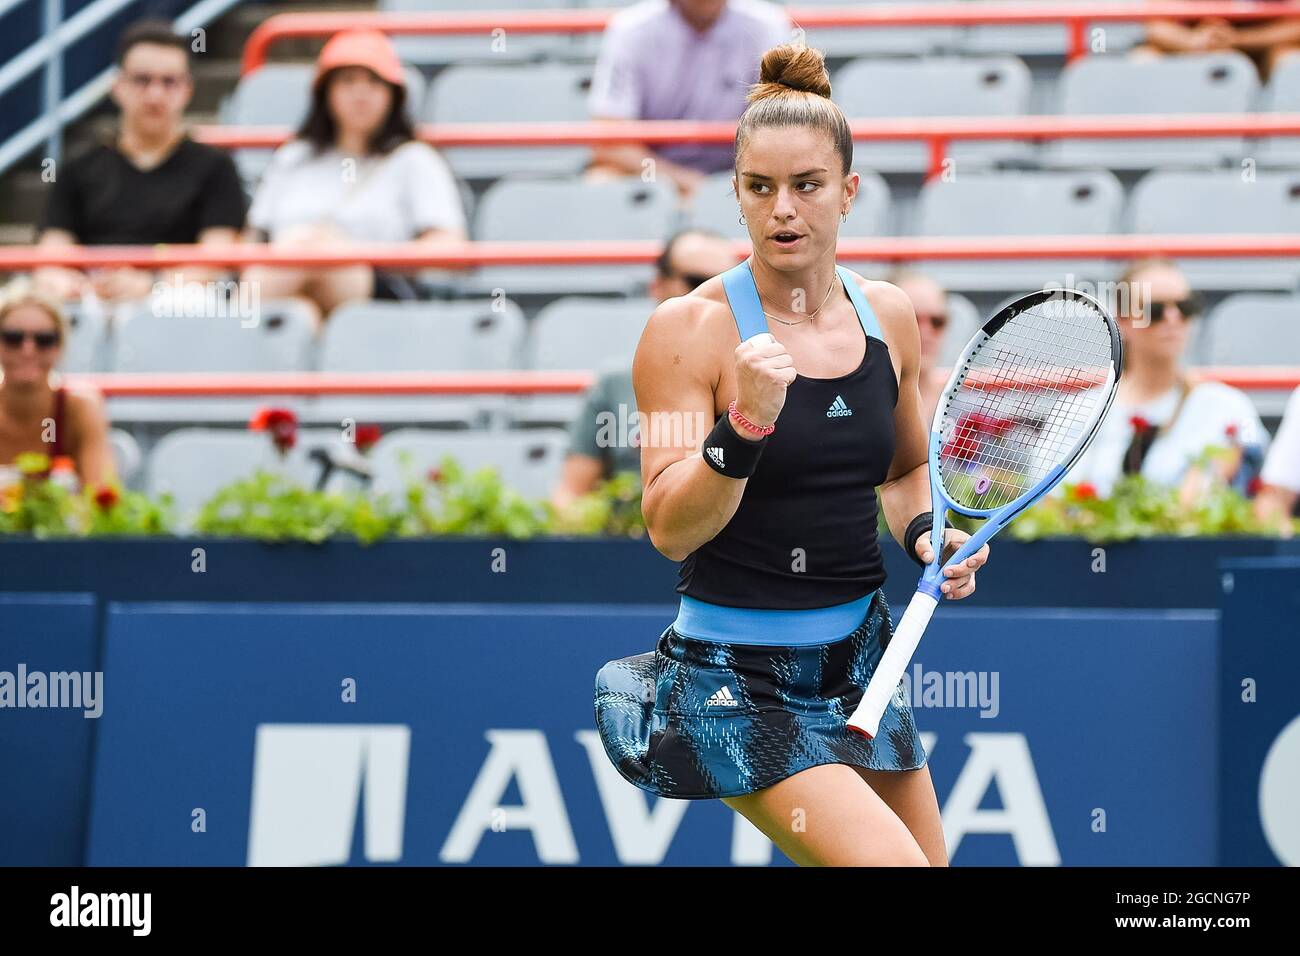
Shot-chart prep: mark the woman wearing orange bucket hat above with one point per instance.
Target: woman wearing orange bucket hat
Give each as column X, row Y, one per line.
column 353, row 173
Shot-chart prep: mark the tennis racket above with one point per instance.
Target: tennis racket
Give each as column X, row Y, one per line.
column 1023, row 402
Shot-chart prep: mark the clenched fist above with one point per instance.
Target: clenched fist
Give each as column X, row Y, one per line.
column 764, row 370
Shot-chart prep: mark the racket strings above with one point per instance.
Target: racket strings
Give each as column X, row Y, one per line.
column 1024, row 402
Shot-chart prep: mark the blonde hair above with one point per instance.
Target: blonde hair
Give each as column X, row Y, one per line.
column 794, row 89
column 24, row 292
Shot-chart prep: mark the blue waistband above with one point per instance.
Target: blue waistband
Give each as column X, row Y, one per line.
column 751, row 625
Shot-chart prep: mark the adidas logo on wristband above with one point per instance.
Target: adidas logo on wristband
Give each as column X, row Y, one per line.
column 715, row 455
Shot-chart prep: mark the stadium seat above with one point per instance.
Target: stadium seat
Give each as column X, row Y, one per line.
column 1209, row 83
column 1282, row 95
column 528, row 461
column 541, row 92
column 1086, row 203
column 126, row 455
column 418, row 336
column 192, row 464
column 937, row 86
column 1224, row 201
column 279, row 94
column 1047, row 39
column 577, row 333
column 279, row 341
column 1254, row 329
column 84, row 349
column 573, row 209
column 496, row 47
column 863, row 41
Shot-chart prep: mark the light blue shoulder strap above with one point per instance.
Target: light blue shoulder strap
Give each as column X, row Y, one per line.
column 865, row 313
column 742, row 296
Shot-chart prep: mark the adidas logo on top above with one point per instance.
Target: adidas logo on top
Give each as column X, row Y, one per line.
column 838, row 409
column 715, row 453
column 722, row 698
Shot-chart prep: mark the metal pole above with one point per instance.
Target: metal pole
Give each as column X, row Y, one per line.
column 52, row 94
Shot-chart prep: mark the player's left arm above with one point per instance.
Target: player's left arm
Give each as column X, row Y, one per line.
column 906, row 491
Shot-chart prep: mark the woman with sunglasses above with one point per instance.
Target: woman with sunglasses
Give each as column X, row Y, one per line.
column 1162, row 420
column 37, row 412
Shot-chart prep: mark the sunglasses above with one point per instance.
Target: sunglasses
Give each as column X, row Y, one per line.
column 1189, row 307
column 13, row 338
column 693, row 281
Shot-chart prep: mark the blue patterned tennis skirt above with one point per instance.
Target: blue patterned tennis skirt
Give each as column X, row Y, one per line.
column 697, row 719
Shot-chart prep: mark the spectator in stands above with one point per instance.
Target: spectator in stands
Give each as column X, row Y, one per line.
column 1161, row 421
column 930, row 301
column 680, row 60
column 1279, row 492
column 151, row 184
column 1266, row 42
column 353, row 173
column 689, row 259
column 35, row 414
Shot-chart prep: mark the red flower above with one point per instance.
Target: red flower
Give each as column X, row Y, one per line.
column 1139, row 423
column 365, row 436
column 282, row 423
column 1085, row 491
column 106, row 496
column 1253, row 486
column 435, row 476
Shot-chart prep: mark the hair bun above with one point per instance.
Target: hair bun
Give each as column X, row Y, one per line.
column 797, row 67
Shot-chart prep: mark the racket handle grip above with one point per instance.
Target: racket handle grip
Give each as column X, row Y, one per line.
column 892, row 666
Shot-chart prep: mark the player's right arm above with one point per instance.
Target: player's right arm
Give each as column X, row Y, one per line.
column 675, row 375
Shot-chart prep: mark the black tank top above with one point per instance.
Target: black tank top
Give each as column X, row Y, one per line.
column 804, row 535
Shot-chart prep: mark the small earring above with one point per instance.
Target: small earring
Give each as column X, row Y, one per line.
column 844, row 217
column 742, row 219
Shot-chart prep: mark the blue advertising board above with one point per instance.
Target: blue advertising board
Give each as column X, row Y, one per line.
column 49, row 643
column 1259, row 700
column 332, row 734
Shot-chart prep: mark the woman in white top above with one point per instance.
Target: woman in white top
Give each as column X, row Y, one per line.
column 354, row 173
column 1280, row 478
column 1162, row 421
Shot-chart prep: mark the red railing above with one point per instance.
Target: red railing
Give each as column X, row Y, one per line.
column 310, row 384
column 415, row 255
column 938, row 132
column 1075, row 18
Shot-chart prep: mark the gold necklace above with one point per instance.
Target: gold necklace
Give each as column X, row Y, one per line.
column 811, row 316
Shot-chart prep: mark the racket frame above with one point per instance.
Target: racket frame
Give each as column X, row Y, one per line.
column 999, row 518
column 928, row 592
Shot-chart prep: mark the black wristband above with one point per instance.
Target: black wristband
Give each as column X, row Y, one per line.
column 916, row 528
column 728, row 454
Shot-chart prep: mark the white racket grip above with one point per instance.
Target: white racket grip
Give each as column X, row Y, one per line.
column 893, row 665
column 761, row 338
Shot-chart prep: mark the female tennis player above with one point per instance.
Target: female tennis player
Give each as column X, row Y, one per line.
column 773, row 513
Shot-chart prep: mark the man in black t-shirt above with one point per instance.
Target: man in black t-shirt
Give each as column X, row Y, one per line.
column 153, row 184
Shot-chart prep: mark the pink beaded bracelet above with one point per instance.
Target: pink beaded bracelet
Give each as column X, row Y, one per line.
column 742, row 420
